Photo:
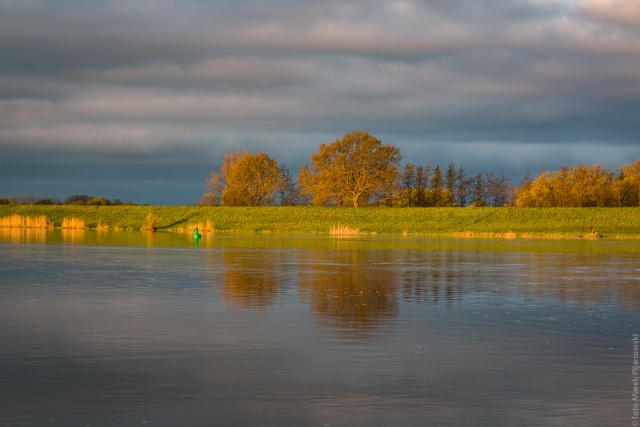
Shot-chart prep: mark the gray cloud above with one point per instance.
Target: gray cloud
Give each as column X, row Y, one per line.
column 167, row 87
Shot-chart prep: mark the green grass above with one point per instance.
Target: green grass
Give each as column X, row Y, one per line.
column 509, row 222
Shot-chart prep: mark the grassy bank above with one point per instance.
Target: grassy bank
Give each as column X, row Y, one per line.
column 504, row 222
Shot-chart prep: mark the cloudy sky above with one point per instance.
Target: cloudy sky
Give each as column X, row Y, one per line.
column 139, row 100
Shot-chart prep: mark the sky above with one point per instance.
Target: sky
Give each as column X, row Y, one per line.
column 139, row 100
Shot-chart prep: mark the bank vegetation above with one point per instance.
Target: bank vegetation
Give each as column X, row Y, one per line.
column 488, row 222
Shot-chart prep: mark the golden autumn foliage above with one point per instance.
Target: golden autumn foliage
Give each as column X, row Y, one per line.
column 582, row 186
column 350, row 170
column 357, row 170
column 244, row 180
column 629, row 185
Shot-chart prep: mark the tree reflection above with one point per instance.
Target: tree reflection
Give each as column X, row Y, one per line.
column 350, row 290
column 250, row 278
column 576, row 281
column 434, row 277
column 356, row 291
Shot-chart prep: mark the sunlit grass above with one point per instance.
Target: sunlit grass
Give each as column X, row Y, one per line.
column 201, row 226
column 466, row 222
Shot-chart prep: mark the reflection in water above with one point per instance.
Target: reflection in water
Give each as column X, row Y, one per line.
column 94, row 237
column 142, row 328
column 348, row 289
column 579, row 278
column 73, row 236
column 354, row 290
column 24, row 235
column 250, row 277
column 429, row 277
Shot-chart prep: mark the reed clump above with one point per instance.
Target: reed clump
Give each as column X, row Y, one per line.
column 12, row 221
column 73, row 223
column 19, row 221
column 37, row 222
column 343, row 230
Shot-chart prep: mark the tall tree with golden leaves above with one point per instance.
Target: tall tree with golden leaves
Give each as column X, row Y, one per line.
column 244, row 180
column 350, row 170
column 631, row 179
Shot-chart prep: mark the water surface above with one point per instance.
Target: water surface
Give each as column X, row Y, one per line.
column 156, row 329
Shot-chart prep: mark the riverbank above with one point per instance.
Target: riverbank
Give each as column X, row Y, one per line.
column 471, row 222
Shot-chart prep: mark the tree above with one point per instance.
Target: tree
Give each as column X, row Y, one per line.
column 213, row 190
column 99, row 201
column 436, row 187
column 580, row 186
column 631, row 180
column 77, row 199
column 244, row 180
column 601, row 182
column 408, row 185
column 580, row 175
column 450, row 180
column 539, row 192
column 288, row 191
column 423, row 178
column 350, row 170
column 462, row 187
column 562, row 186
column 498, row 189
column 478, row 190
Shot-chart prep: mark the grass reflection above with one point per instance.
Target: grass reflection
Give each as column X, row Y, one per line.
column 319, row 242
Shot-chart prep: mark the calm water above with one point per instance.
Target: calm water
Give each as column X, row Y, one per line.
column 150, row 329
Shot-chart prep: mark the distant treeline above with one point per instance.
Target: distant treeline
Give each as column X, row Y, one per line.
column 76, row 199
column 358, row 170
column 582, row 186
column 577, row 186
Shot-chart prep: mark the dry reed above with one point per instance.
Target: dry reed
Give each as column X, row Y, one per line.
column 342, row 230
column 17, row 221
column 73, row 223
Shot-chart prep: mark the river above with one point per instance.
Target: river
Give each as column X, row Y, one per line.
column 160, row 329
